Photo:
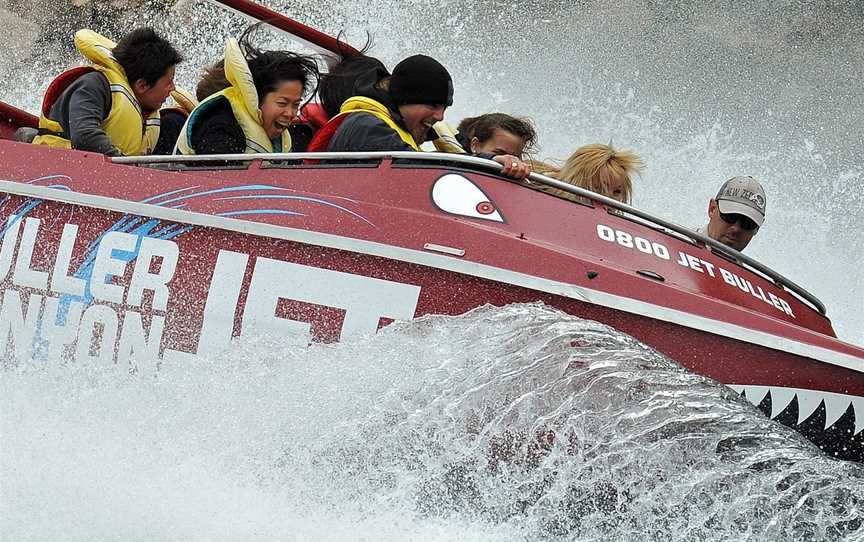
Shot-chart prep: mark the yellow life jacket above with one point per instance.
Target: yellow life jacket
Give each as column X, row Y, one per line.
column 186, row 101
column 379, row 110
column 129, row 131
column 243, row 97
column 446, row 140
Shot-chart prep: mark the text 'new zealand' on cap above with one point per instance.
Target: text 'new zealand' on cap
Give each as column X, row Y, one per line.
column 744, row 196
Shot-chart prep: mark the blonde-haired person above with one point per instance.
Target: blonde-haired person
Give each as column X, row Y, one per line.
column 596, row 167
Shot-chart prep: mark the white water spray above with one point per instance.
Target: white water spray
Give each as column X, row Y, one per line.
column 504, row 424
column 519, row 423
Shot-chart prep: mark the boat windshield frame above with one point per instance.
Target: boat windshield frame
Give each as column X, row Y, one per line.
column 485, row 166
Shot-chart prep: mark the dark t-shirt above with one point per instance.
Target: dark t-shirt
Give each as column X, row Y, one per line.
column 170, row 125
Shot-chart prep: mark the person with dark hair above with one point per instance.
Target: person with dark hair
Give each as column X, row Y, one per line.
column 398, row 114
column 497, row 134
column 254, row 114
column 343, row 80
column 392, row 114
column 301, row 129
column 112, row 106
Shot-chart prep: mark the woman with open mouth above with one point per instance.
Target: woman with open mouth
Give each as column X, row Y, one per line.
column 252, row 115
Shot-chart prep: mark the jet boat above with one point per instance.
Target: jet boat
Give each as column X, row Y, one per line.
column 155, row 259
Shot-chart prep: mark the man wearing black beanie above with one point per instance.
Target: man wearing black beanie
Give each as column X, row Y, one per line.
column 395, row 114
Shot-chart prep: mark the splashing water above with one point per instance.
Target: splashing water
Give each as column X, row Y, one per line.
column 516, row 423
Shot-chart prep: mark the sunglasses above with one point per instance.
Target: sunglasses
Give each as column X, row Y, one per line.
column 745, row 222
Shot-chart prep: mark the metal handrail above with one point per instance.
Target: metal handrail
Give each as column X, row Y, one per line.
column 729, row 252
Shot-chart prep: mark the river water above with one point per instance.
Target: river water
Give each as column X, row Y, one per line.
column 504, row 424
column 519, row 423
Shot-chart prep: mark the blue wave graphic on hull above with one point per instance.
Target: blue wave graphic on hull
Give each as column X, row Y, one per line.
column 178, row 199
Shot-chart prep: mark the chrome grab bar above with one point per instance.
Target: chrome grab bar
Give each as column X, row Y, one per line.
column 483, row 163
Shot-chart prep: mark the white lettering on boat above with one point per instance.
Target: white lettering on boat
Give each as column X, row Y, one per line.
column 694, row 263
column 630, row 241
column 114, row 308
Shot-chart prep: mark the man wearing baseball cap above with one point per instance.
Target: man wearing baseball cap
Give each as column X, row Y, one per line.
column 737, row 213
column 398, row 114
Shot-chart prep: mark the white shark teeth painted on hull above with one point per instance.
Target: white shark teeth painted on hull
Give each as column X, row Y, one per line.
column 858, row 407
column 808, row 402
column 834, row 408
column 780, row 399
column 836, row 404
column 754, row 394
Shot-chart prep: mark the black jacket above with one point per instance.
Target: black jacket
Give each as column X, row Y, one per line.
column 217, row 131
column 364, row 132
column 361, row 132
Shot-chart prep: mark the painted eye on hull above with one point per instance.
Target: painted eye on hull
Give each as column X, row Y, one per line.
column 457, row 195
column 485, row 208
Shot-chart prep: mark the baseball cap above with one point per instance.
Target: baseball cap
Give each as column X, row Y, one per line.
column 744, row 196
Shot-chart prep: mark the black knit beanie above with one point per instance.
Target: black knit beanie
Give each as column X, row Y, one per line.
column 420, row 79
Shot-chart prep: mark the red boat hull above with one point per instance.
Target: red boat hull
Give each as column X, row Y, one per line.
column 120, row 264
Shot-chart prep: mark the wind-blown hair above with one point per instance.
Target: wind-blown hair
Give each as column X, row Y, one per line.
column 544, row 168
column 355, row 71
column 212, row 81
column 272, row 68
column 283, row 66
column 594, row 167
column 483, row 128
column 146, row 55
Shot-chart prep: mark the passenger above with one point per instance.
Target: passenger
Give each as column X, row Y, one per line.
column 737, row 213
column 302, row 129
column 254, row 113
column 111, row 107
column 351, row 73
column 596, row 167
column 398, row 114
column 378, row 117
column 497, row 134
column 358, row 74
column 360, row 71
